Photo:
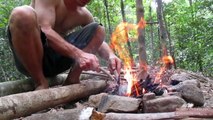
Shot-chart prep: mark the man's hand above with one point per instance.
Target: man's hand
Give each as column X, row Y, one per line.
column 88, row 61
column 114, row 63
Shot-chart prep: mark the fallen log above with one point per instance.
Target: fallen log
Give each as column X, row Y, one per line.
column 69, row 114
column 179, row 114
column 24, row 104
column 19, row 86
column 195, row 112
column 146, row 116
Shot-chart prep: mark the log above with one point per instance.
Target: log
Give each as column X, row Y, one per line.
column 19, row 86
column 24, row 104
column 179, row 114
column 146, row 116
column 195, row 112
column 70, row 114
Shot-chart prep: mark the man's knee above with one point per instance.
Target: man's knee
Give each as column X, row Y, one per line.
column 101, row 33
column 23, row 17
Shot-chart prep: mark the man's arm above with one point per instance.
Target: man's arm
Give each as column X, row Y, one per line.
column 114, row 62
column 105, row 51
column 45, row 10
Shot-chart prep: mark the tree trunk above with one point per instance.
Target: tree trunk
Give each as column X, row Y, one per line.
column 128, row 43
column 163, row 34
column 152, row 35
column 141, row 37
column 108, row 18
column 168, row 34
column 23, row 104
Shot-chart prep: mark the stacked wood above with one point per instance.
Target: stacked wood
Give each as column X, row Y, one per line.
column 23, row 104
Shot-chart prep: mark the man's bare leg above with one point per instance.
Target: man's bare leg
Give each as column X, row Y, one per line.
column 27, row 43
column 92, row 47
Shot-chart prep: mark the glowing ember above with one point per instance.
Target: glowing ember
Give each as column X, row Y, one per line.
column 119, row 41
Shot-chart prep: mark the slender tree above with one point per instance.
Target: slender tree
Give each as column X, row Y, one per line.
column 141, row 37
column 151, row 34
column 108, row 17
column 162, row 30
column 128, row 43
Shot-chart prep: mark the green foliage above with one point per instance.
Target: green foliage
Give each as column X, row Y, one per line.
column 191, row 28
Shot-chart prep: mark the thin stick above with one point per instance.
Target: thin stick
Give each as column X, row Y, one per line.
column 94, row 73
column 110, row 76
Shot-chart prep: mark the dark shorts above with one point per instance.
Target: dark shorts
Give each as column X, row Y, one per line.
column 54, row 63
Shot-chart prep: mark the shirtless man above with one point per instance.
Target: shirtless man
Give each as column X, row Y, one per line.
column 42, row 47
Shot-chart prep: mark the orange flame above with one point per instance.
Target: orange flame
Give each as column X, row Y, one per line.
column 166, row 60
column 119, row 39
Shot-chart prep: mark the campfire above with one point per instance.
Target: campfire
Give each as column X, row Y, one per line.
column 136, row 85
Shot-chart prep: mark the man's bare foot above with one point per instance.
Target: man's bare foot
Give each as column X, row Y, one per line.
column 40, row 87
column 73, row 76
column 43, row 85
column 72, row 80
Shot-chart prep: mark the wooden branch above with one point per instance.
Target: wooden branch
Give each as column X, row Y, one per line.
column 101, row 75
column 95, row 74
column 24, row 104
column 195, row 112
column 146, row 116
column 72, row 114
column 110, row 76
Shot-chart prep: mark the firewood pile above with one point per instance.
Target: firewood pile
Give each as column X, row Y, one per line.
column 181, row 95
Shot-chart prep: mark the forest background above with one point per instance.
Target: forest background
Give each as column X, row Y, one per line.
column 184, row 27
